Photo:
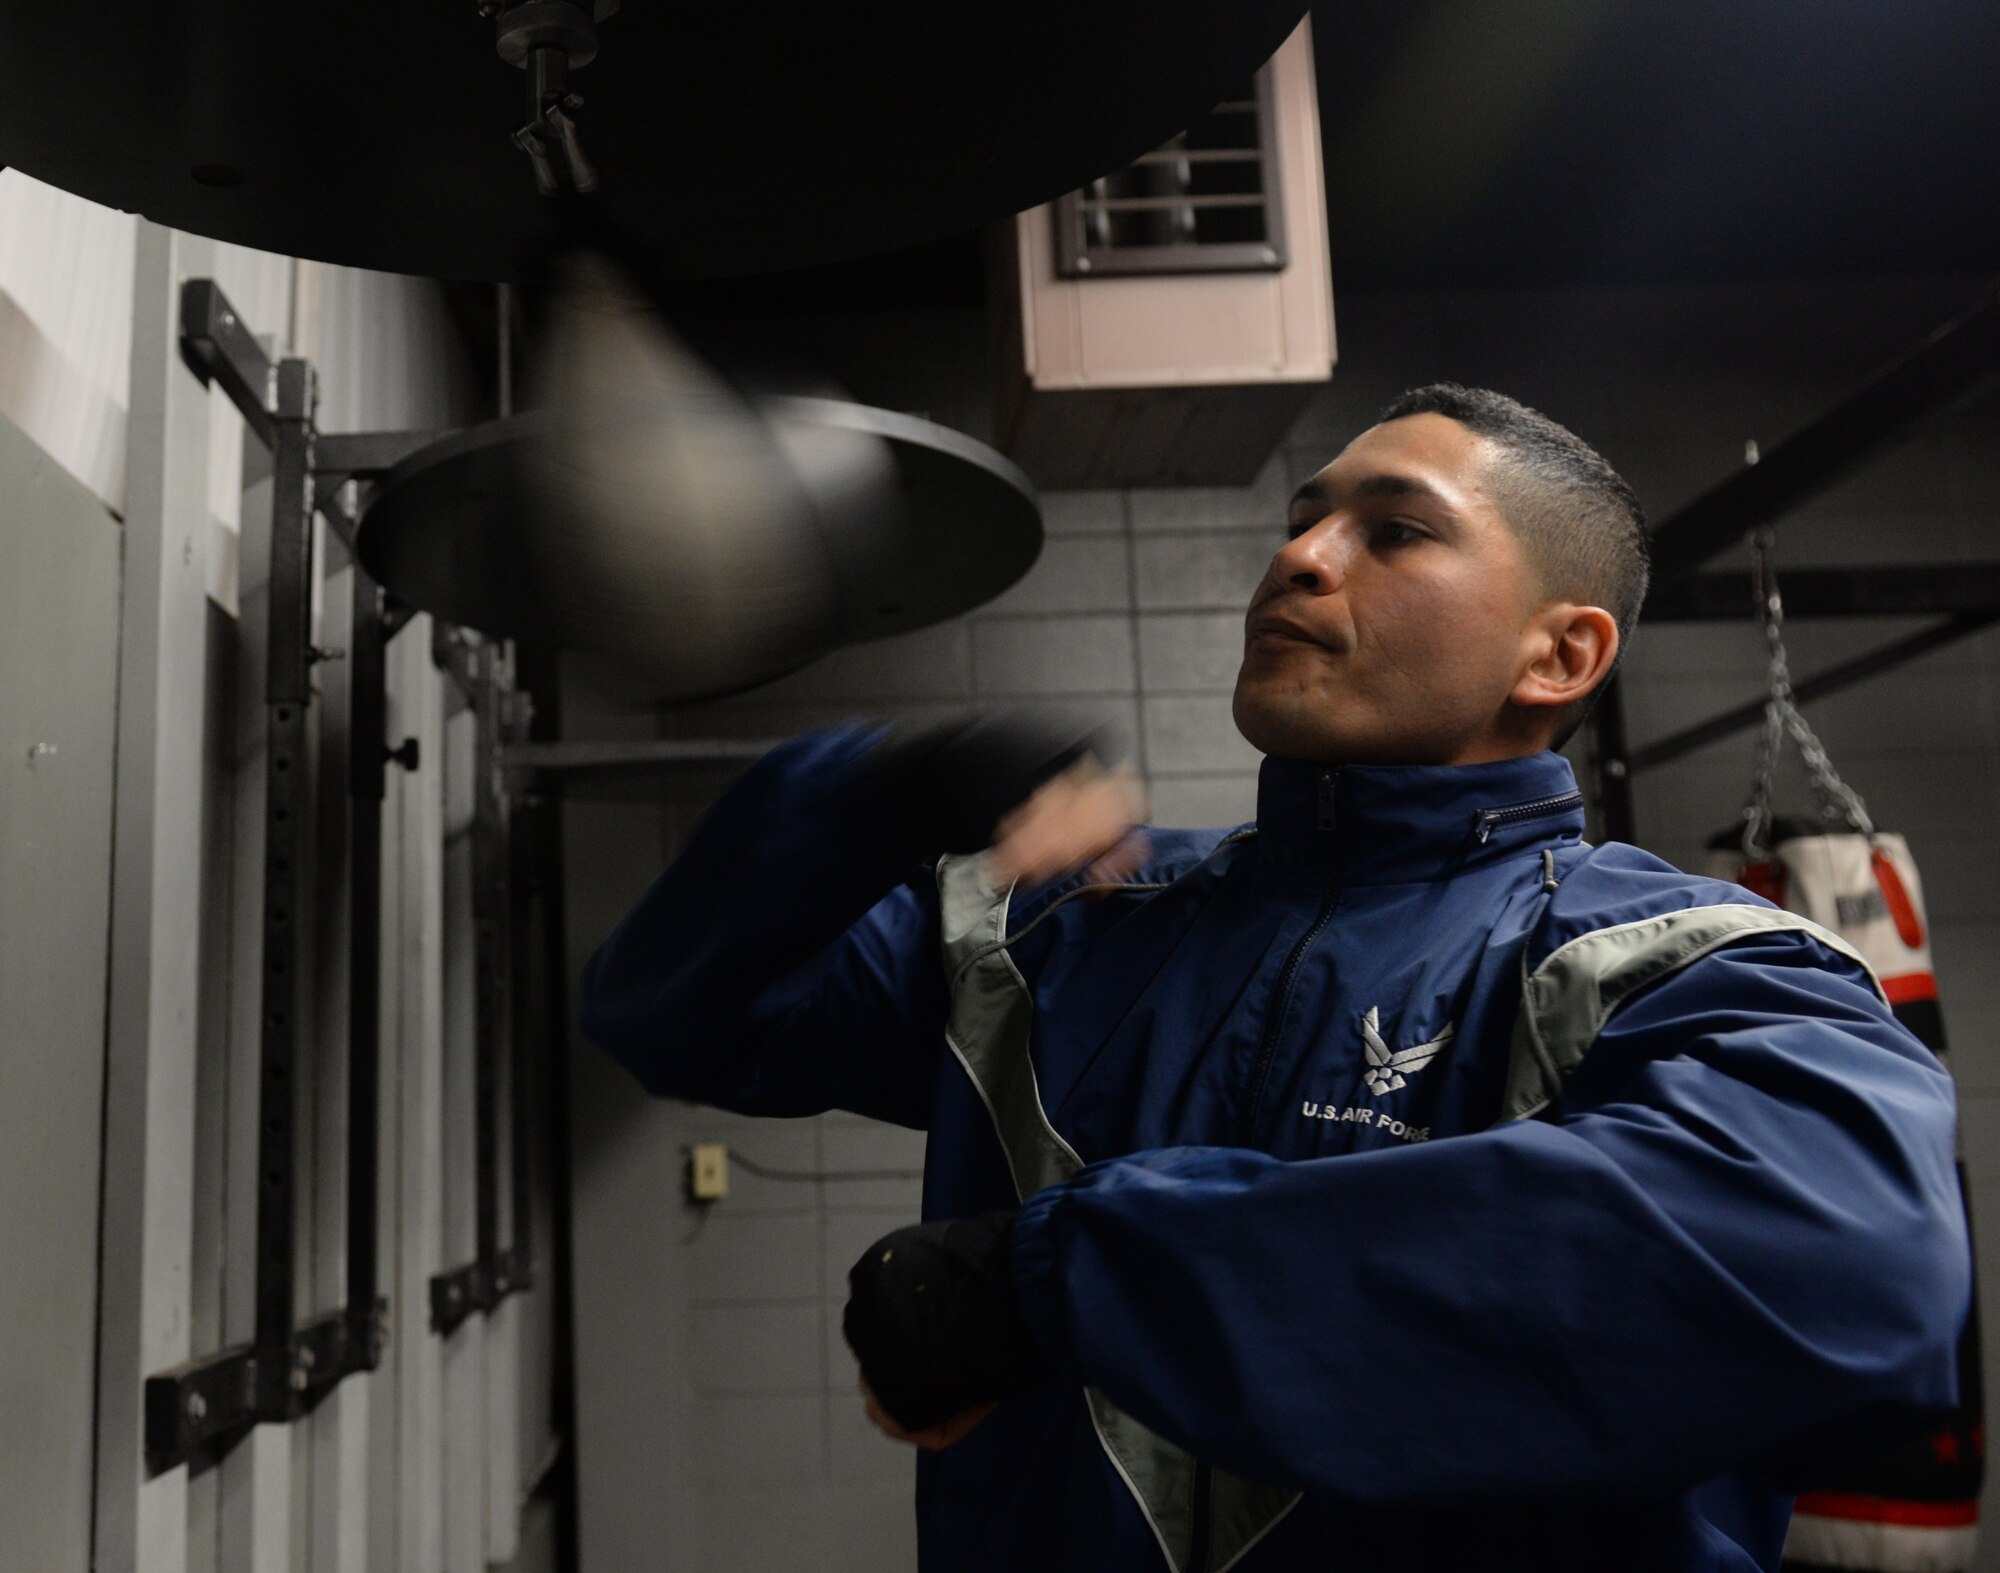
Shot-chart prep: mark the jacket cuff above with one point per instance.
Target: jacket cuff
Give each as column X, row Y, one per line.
column 1039, row 1291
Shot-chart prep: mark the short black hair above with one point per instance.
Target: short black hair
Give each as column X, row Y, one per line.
column 1582, row 525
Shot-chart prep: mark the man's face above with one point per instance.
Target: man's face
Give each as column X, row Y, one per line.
column 1403, row 600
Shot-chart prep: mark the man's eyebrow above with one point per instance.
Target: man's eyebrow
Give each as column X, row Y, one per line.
column 1397, row 486
column 1314, row 490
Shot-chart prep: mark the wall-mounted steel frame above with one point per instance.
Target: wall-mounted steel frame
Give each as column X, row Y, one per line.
column 1819, row 686
column 501, row 716
column 195, row 1411
column 1951, row 365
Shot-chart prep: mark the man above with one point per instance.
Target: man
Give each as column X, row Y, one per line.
column 1395, row 1182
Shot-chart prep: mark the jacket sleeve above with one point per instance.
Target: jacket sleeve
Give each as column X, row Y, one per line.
column 1742, row 1232
column 789, row 960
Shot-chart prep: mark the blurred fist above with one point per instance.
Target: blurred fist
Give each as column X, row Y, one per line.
column 1084, row 818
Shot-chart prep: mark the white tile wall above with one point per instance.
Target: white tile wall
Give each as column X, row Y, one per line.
column 1037, row 656
column 1202, row 571
column 1075, row 573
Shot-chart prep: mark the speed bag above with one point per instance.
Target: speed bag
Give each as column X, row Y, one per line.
column 1915, row 1506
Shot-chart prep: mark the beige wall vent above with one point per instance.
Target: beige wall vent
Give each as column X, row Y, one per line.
column 1164, row 325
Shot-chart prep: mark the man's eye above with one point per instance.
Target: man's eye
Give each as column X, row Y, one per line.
column 1394, row 532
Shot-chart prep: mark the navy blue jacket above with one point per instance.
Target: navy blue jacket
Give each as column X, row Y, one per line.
column 1407, row 1183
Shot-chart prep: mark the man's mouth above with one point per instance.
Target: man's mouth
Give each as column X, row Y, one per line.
column 1278, row 630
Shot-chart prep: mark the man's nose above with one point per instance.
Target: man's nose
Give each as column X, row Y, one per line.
column 1315, row 559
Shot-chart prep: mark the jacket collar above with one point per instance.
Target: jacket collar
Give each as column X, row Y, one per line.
column 1400, row 824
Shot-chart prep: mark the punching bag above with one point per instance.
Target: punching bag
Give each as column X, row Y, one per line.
column 1915, row 1506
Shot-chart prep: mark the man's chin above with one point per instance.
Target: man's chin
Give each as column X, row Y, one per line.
column 1295, row 731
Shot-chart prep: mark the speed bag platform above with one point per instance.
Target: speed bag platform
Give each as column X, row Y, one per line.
column 1915, row 1507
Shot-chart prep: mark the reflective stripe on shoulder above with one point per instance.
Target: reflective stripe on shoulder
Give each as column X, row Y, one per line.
column 1566, row 1001
column 988, row 1031
column 992, row 1010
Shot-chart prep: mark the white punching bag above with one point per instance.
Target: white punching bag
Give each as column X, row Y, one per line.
column 1910, row 1505
column 1913, row 1507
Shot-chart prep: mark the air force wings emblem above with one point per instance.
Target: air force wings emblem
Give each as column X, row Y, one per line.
column 1389, row 1069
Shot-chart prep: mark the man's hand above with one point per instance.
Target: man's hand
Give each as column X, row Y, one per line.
column 932, row 1439
column 1084, row 817
column 931, row 1318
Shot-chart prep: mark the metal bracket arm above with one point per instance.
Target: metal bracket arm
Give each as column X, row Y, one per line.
column 195, row 1411
column 1883, row 590
column 217, row 347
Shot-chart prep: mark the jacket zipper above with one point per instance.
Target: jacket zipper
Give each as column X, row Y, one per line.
column 1540, row 808
column 1329, row 783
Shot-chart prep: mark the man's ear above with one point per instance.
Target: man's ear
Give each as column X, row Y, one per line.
column 1569, row 649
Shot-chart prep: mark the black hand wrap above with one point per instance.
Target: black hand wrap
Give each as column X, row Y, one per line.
column 945, row 787
column 931, row 1317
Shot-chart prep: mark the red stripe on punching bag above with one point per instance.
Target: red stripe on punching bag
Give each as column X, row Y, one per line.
column 1885, row 1510
column 1765, row 879
column 1908, row 987
column 1909, row 927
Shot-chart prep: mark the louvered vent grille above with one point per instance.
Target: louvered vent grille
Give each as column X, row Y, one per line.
column 1205, row 202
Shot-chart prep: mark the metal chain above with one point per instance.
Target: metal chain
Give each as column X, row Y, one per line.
column 1837, row 800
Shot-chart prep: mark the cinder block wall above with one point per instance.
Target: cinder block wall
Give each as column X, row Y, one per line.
column 743, row 1403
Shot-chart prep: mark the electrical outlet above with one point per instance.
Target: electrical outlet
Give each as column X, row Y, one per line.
column 708, row 1172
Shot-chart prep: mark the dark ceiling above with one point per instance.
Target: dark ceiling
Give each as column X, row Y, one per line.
column 1544, row 142
column 1606, row 141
